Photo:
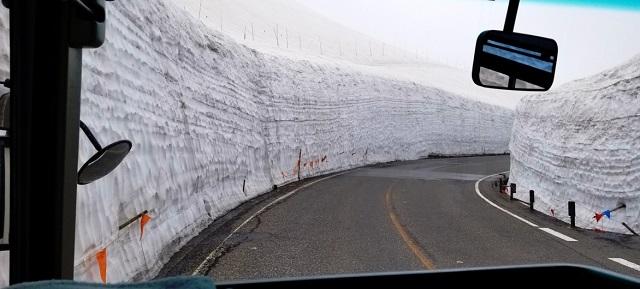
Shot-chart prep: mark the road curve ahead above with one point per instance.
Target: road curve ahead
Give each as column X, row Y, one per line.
column 404, row 216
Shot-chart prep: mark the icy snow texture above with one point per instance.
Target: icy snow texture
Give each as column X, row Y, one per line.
column 581, row 143
column 206, row 114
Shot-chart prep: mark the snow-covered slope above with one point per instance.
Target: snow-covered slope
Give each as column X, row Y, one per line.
column 209, row 117
column 582, row 143
column 287, row 26
column 329, row 42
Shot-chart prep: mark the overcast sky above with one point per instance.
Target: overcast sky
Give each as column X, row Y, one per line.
column 590, row 36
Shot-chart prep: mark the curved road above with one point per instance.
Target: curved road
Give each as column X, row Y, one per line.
column 406, row 216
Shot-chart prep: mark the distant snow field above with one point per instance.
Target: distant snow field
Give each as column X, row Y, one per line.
column 289, row 28
column 581, row 142
column 215, row 123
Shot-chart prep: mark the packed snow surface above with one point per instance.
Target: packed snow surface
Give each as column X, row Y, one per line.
column 581, row 143
column 215, row 123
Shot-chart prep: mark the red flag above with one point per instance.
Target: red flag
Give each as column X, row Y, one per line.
column 597, row 216
column 101, row 256
column 143, row 221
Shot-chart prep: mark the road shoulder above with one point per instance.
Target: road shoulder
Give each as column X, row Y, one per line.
column 606, row 248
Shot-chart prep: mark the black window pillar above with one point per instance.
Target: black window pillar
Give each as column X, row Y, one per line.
column 45, row 111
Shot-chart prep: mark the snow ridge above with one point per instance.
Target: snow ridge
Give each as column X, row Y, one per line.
column 215, row 123
column 580, row 143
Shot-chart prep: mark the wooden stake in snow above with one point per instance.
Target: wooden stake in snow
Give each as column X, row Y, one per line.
column 275, row 31
column 356, row 47
column 299, row 161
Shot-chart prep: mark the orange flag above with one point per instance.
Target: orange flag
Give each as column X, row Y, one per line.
column 143, row 221
column 102, row 264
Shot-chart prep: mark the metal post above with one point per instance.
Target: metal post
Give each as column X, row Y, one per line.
column 512, row 12
column 531, row 199
column 572, row 213
column 512, row 191
column 629, row 228
column 94, row 141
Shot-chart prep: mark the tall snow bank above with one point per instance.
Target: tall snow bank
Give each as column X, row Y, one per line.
column 581, row 143
column 215, row 123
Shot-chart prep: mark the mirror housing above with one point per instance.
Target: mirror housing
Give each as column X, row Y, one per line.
column 103, row 162
column 514, row 61
column 87, row 29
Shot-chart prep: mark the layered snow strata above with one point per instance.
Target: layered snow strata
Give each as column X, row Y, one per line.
column 581, row 143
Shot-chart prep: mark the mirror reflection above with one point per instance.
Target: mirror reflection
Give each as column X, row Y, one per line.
column 507, row 60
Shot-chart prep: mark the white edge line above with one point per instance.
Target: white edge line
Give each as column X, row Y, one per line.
column 624, row 262
column 498, row 207
column 212, row 255
column 559, row 235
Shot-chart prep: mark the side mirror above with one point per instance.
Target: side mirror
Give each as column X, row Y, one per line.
column 104, row 161
column 514, row 61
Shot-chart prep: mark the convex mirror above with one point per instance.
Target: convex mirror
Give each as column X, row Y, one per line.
column 104, row 161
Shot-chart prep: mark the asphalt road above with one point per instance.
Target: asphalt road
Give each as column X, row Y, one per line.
column 405, row 216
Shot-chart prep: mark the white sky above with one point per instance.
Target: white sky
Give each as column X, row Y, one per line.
column 590, row 39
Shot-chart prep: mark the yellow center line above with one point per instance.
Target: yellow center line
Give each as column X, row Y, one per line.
column 402, row 231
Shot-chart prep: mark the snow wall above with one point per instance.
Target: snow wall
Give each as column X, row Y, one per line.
column 581, row 143
column 209, row 117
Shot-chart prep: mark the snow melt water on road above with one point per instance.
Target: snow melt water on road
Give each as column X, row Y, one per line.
column 581, row 143
column 215, row 123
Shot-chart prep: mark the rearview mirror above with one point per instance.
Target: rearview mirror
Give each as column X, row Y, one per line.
column 104, row 161
column 514, row 61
